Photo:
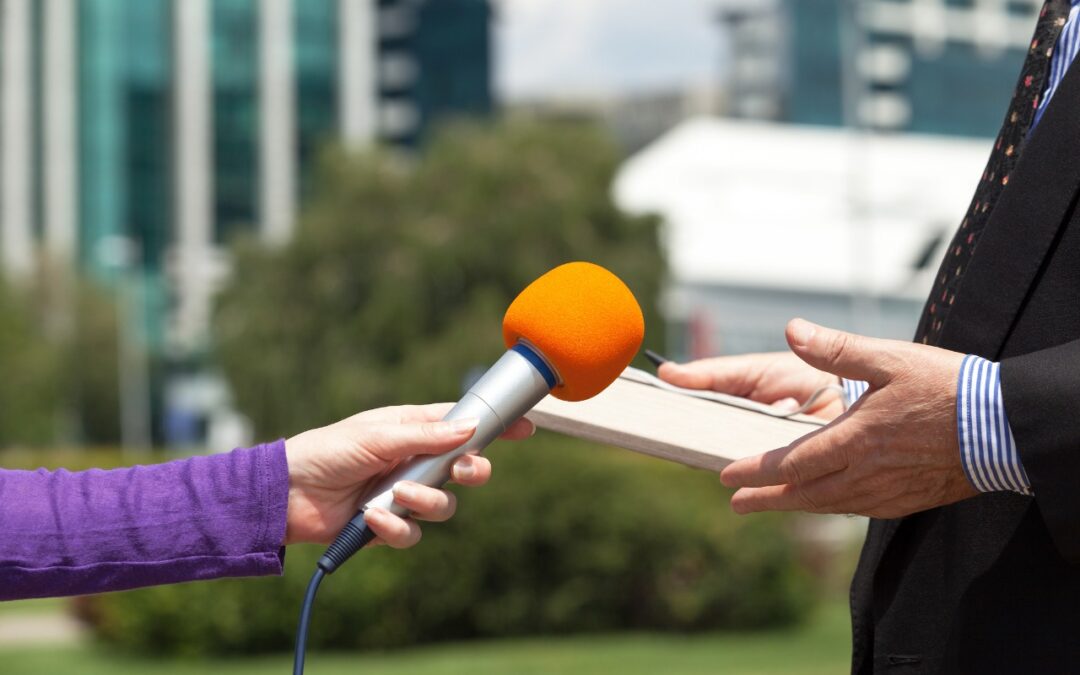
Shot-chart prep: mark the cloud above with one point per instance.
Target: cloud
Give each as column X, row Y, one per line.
column 548, row 47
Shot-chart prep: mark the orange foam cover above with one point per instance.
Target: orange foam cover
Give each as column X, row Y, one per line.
column 584, row 320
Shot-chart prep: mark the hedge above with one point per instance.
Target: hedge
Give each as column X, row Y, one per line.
column 567, row 537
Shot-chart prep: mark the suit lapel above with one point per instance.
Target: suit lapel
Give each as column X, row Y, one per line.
column 1026, row 220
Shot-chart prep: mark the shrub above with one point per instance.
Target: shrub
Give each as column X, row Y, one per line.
column 568, row 537
column 399, row 274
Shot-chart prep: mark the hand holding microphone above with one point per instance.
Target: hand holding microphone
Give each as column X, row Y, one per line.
column 330, row 467
column 569, row 333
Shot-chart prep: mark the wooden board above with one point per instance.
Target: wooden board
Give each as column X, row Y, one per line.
column 706, row 434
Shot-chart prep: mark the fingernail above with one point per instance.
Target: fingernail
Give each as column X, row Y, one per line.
column 404, row 491
column 461, row 426
column 374, row 511
column 801, row 332
column 464, row 471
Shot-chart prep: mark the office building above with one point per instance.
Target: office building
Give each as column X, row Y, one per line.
column 928, row 66
column 138, row 136
column 766, row 221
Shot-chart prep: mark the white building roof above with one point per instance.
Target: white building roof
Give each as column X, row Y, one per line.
column 803, row 208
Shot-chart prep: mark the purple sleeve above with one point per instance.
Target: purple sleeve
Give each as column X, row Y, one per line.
column 64, row 533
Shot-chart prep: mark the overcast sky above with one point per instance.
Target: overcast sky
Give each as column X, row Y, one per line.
column 546, row 47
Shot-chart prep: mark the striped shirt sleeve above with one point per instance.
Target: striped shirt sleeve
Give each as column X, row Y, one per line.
column 853, row 389
column 987, row 447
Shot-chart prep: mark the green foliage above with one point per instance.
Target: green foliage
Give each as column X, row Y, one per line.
column 393, row 288
column 30, row 393
column 399, row 274
column 72, row 458
column 568, row 537
column 91, row 368
column 58, row 357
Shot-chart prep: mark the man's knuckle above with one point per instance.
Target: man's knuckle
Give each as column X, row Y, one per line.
column 790, row 472
column 837, row 347
column 806, row 501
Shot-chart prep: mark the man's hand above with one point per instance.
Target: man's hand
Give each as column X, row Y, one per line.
column 894, row 453
column 779, row 379
column 329, row 469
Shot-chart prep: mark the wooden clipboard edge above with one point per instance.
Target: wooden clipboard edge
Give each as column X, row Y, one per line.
column 608, row 436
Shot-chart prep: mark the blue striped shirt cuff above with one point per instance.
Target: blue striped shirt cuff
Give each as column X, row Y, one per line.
column 987, row 447
column 853, row 389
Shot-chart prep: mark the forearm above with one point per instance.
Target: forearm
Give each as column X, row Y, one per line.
column 64, row 533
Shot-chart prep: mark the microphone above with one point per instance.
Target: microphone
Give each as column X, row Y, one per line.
column 570, row 333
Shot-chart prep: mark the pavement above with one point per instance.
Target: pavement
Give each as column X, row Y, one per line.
column 50, row 629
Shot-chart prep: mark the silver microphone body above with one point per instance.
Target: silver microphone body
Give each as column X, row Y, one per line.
column 508, row 390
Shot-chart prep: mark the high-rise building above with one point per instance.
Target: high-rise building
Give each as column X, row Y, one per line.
column 933, row 66
column 137, row 136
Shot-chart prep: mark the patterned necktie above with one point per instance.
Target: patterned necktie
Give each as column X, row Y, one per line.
column 995, row 177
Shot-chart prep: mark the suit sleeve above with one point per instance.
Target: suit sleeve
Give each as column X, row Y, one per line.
column 1042, row 399
column 65, row 533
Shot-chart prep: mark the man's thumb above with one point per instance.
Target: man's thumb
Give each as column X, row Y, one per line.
column 833, row 351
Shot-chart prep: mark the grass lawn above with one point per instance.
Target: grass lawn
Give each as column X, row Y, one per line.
column 820, row 647
column 42, row 606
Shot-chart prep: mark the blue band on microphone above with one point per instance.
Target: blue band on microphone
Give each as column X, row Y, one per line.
column 538, row 363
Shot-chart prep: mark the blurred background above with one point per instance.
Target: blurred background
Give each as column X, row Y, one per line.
column 224, row 221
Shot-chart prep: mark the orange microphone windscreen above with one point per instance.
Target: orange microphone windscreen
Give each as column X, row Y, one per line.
column 584, row 321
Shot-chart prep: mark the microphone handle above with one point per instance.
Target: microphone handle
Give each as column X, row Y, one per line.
column 434, row 470
column 507, row 391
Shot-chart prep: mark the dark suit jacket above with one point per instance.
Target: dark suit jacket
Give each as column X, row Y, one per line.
column 992, row 584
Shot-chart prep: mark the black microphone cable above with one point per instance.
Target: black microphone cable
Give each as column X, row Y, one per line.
column 352, row 538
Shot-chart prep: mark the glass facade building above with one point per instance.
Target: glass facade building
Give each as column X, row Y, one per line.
column 165, row 127
column 895, row 65
column 234, row 55
column 137, row 137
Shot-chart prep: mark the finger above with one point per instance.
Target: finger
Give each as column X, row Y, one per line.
column 813, row 456
column 520, row 429
column 404, row 414
column 391, row 441
column 845, row 354
column 425, row 503
column 830, row 494
column 394, row 531
column 727, row 374
column 471, row 470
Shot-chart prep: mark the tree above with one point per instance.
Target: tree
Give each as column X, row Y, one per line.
column 58, row 342
column 395, row 284
column 30, row 389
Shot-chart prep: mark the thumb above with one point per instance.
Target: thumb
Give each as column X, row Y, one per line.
column 398, row 441
column 845, row 354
